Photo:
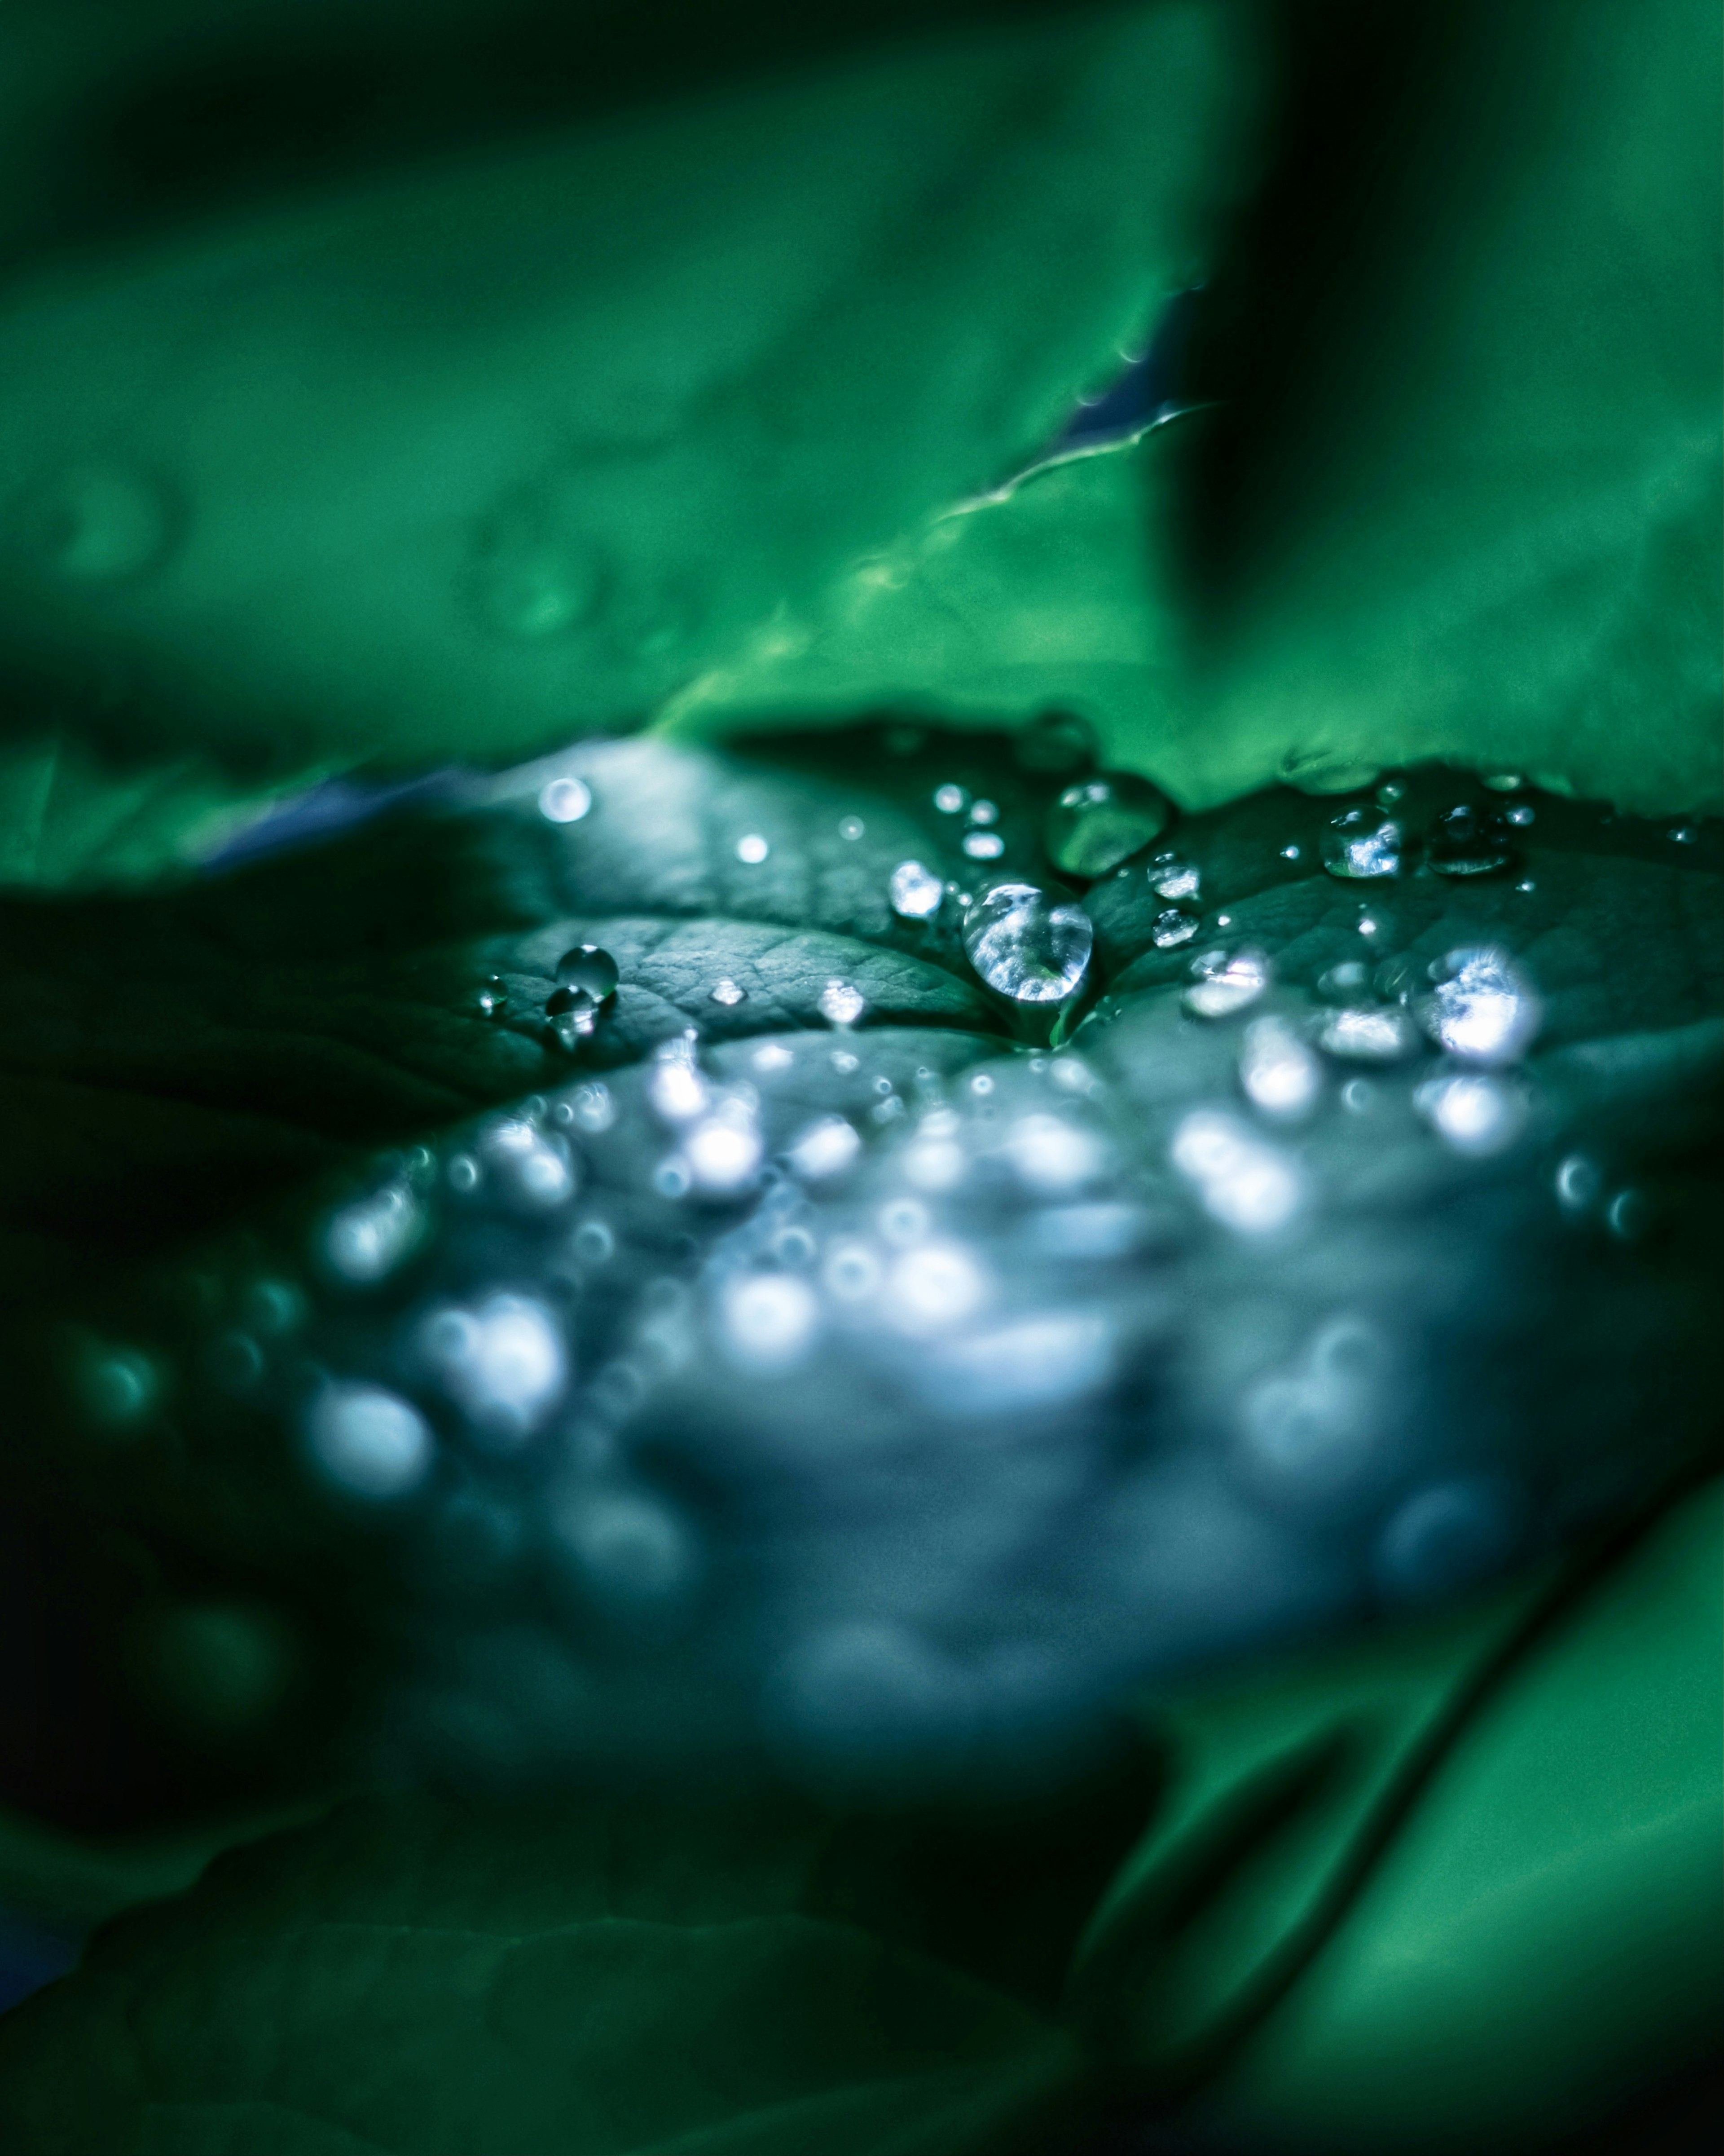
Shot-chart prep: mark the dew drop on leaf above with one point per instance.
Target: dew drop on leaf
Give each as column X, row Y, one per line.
column 915, row 892
column 1097, row 823
column 1026, row 944
column 1359, row 845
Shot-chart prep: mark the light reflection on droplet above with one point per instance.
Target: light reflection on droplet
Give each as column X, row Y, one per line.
column 564, row 800
column 1027, row 946
column 1228, row 984
column 851, row 827
column 1486, row 1010
column 915, row 892
column 493, row 997
column 365, row 1241
column 723, row 1151
column 1360, row 845
column 932, row 1286
column 983, row 845
column 751, row 849
column 769, row 1320
column 675, row 1088
column 823, row 1148
column 1279, row 1076
column 1172, row 928
column 1248, row 1186
column 949, row 799
column 770, row 1056
column 372, row 1442
column 1368, row 1033
column 502, row 1361
column 727, row 992
column 1474, row 1116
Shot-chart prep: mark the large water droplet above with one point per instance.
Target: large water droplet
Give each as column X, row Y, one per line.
column 1361, row 843
column 1100, row 822
column 98, row 522
column 1026, row 944
column 915, row 892
column 1485, row 1010
column 1464, row 842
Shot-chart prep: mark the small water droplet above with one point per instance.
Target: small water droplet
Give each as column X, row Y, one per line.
column 593, row 1243
column 1391, row 791
column 1227, row 984
column 949, row 799
column 372, row 1442
column 1346, row 983
column 1360, row 845
column 1169, row 930
column 1368, row 1033
column 1578, row 1183
column 1463, row 843
column 769, row 1320
column 851, row 827
column 366, row 1241
column 824, row 1148
column 1054, row 742
column 1475, row 1115
column 492, row 998
column 1526, row 884
column 463, row 1173
column 1026, row 944
column 770, row 1056
column 1357, row 1096
column 1521, row 815
column 983, row 845
column 915, row 892
column 1098, row 823
column 1248, row 1186
column 117, row 1387
column 723, row 1151
column 727, row 992
column 1290, row 853
column 99, row 522
column 1685, row 834
column 842, row 1003
column 1175, row 879
column 843, row 1062
column 751, row 849
column 671, row 1177
column 1278, row 1073
column 587, row 978
column 984, row 811
column 564, row 800
column 675, row 1088
column 1505, row 782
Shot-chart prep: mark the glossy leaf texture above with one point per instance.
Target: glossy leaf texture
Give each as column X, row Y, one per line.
column 1452, row 489
column 506, row 439
column 812, row 1362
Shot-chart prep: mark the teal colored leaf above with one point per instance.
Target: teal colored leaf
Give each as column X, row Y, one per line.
column 465, row 457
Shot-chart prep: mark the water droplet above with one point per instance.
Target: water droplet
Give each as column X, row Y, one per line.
column 751, row 849
column 364, row 1242
column 932, row 1286
column 1475, row 1117
column 1358, row 1096
column 727, row 992
column 1359, row 845
column 984, row 811
column 1485, row 1010
column 1025, row 945
column 1291, row 853
column 770, row 1056
column 1279, row 1076
column 981, row 1084
column 851, row 1272
column 1054, row 742
column 915, row 892
column 1169, row 930
column 983, row 845
column 1227, row 984
column 723, row 1150
column 843, row 1062
column 1391, row 791
column 463, row 1173
column 564, row 800
column 769, row 1320
column 823, row 1148
column 1526, row 884
column 1175, row 879
column 949, row 799
column 1628, row 1216
column 372, row 1442
column 98, row 522
column 1051, row 1156
column 1685, row 834
column 1521, row 815
column 589, row 1106
column 593, row 1243
column 1100, row 822
column 675, row 1088
column 1505, row 782
column 851, row 827
column 1367, row 1033
column 502, row 1361
column 1463, row 843
column 493, row 997
column 117, row 1387
column 1578, row 1183
column 535, row 1169
column 842, row 1003
column 1248, row 1186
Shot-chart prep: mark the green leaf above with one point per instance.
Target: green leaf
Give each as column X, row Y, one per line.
column 467, row 457
column 1456, row 494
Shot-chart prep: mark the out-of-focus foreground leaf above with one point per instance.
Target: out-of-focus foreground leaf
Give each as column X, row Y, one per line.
column 512, row 441
column 1458, row 492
